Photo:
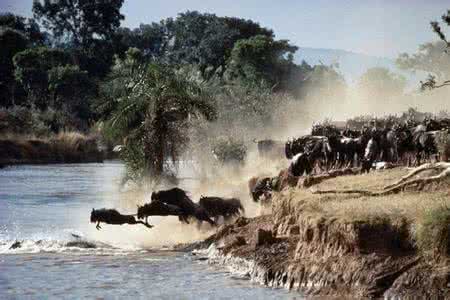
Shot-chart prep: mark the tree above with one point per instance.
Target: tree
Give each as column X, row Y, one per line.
column 72, row 90
column 323, row 80
column 381, row 83
column 261, row 59
column 150, row 106
column 27, row 27
column 79, row 22
column 206, row 40
column 149, row 38
column 437, row 28
column 85, row 27
column 12, row 42
column 32, row 68
column 433, row 58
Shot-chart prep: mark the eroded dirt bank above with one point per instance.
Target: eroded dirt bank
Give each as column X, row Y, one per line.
column 318, row 253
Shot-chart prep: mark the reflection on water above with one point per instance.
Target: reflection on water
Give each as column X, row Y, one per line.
column 46, row 209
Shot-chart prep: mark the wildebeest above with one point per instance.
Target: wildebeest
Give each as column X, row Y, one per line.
column 351, row 133
column 370, row 155
column 225, row 207
column 179, row 198
column 260, row 186
column 158, row 208
column 317, row 148
column 269, row 148
column 326, row 129
column 112, row 216
column 424, row 143
column 389, row 145
column 300, row 164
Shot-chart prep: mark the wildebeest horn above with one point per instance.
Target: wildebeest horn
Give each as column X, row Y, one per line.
column 255, row 141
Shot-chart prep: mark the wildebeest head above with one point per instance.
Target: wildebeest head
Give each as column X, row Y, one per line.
column 288, row 149
column 157, row 196
column 140, row 212
column 94, row 216
column 300, row 164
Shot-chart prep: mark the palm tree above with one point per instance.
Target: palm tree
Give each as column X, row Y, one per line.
column 149, row 107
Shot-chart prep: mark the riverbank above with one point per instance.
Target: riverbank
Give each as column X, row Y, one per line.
column 348, row 245
column 65, row 147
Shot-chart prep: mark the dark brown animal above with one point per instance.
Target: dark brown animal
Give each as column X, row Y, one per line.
column 225, row 207
column 259, row 186
column 112, row 216
column 178, row 197
column 300, row 165
column 158, row 208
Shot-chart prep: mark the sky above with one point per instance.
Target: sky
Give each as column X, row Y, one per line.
column 376, row 27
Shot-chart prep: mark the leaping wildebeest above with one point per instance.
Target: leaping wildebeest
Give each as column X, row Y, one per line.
column 112, row 216
column 225, row 207
column 178, row 197
column 158, row 208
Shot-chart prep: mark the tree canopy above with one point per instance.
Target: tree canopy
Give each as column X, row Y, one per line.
column 152, row 111
column 380, row 82
column 79, row 22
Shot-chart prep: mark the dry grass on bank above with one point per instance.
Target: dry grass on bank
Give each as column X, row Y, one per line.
column 427, row 212
column 65, row 147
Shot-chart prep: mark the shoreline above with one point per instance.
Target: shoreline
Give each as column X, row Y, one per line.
column 58, row 150
column 327, row 254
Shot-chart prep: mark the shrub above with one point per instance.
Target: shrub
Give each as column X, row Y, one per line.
column 433, row 232
column 228, row 149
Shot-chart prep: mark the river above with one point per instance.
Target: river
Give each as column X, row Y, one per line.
column 46, row 208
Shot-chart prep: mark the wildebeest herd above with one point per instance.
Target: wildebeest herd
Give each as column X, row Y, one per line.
column 173, row 202
column 380, row 140
column 392, row 140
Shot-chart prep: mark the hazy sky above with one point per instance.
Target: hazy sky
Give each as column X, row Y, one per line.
column 378, row 27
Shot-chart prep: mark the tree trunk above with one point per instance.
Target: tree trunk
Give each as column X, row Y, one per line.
column 159, row 165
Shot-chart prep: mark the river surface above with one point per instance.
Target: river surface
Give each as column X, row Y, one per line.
column 61, row 255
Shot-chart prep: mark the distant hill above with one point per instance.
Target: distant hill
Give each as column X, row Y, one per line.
column 351, row 65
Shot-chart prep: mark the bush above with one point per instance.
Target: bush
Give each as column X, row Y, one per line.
column 227, row 149
column 22, row 120
column 433, row 232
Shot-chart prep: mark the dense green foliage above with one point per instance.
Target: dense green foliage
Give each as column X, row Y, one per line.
column 154, row 88
column 149, row 107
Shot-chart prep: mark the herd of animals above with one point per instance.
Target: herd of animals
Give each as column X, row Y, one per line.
column 327, row 147
column 173, row 202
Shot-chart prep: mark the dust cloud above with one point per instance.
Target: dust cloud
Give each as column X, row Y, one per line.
column 202, row 175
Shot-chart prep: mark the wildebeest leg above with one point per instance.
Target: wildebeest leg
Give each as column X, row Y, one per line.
column 145, row 224
column 211, row 222
column 199, row 224
column 183, row 219
column 98, row 225
column 418, row 157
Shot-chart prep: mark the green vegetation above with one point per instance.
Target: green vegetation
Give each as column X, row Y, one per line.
column 162, row 89
column 154, row 89
column 149, row 107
